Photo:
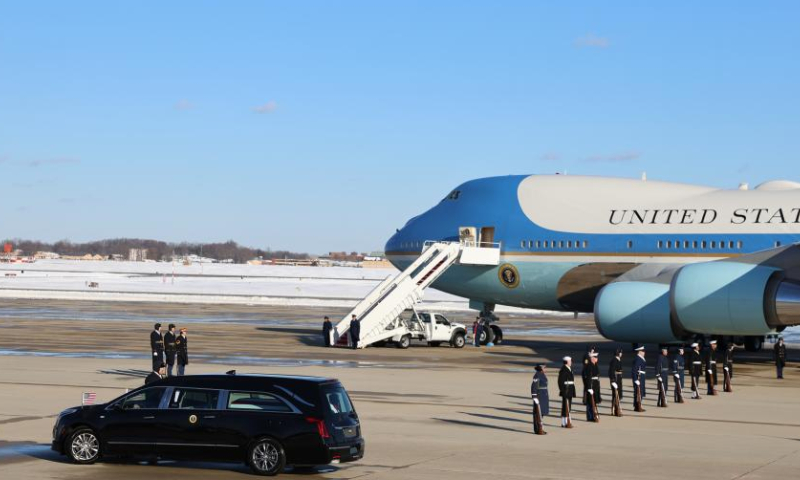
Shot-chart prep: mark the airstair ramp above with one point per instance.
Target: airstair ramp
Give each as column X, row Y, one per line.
column 384, row 304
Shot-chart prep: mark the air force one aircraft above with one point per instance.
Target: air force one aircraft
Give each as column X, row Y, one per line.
column 654, row 261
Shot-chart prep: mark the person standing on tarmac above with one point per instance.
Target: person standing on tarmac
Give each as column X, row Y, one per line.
column 544, row 394
column 355, row 331
column 639, row 376
column 615, row 377
column 159, row 372
column 539, row 401
column 169, row 348
column 695, row 369
column 780, row 357
column 157, row 346
column 591, row 386
column 478, row 331
column 727, row 368
column 182, row 346
column 710, row 364
column 566, row 389
column 662, row 377
column 327, row 326
column 678, row 368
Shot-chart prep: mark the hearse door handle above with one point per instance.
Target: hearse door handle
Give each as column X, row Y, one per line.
column 149, row 417
column 209, row 416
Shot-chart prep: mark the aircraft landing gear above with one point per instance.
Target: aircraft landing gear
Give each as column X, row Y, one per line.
column 491, row 333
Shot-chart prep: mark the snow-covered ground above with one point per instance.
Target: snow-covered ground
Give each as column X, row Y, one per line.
column 203, row 283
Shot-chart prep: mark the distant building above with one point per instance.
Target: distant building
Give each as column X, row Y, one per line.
column 137, row 255
column 46, row 255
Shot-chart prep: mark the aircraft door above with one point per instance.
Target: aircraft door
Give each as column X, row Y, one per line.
column 487, row 237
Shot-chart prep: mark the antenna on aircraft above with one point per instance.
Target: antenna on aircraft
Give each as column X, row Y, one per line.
column 644, row 176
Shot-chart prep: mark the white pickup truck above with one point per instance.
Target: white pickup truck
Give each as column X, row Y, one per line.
column 414, row 325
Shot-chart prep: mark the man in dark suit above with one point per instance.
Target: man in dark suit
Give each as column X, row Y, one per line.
column 157, row 346
column 182, row 346
column 327, row 326
column 780, row 357
column 156, row 374
column 355, row 331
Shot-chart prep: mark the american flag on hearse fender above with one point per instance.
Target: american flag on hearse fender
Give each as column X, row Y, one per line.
column 88, row 398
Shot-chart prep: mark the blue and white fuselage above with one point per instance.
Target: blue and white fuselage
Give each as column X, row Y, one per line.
column 568, row 236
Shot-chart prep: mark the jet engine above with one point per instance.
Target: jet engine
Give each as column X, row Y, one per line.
column 634, row 312
column 730, row 298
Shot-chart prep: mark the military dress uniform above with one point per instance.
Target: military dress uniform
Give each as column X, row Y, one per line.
column 727, row 369
column 538, row 429
column 591, row 390
column 543, row 392
column 169, row 351
column 710, row 365
column 638, row 376
column 780, row 358
column 615, row 379
column 157, row 346
column 566, row 389
column 662, row 379
column 678, row 368
column 696, row 368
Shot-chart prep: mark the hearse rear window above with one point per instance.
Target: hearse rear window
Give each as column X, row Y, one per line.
column 256, row 401
column 338, row 402
column 194, row 399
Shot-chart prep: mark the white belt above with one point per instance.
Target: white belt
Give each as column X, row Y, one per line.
column 569, row 383
column 696, row 363
column 595, row 378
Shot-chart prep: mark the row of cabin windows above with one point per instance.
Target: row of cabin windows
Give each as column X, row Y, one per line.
column 553, row 244
column 695, row 244
column 411, row 245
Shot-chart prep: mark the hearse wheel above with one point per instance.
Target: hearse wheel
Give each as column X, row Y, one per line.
column 266, row 457
column 83, row 446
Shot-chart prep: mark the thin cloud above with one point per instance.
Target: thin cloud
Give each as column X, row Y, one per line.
column 615, row 158
column 268, row 107
column 52, row 161
column 592, row 41
column 183, row 105
column 550, row 157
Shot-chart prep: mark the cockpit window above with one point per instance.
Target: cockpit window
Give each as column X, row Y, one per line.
column 453, row 195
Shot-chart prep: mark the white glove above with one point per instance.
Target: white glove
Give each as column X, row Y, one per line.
column 677, row 375
column 591, row 392
column 659, row 379
column 726, row 368
column 536, row 401
column 637, row 382
column 614, row 384
column 155, row 354
column 710, row 372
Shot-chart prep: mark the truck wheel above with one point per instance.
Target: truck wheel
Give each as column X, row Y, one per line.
column 458, row 341
column 405, row 342
column 434, row 344
column 487, row 336
column 498, row 334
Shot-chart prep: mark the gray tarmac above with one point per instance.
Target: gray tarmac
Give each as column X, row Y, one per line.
column 426, row 412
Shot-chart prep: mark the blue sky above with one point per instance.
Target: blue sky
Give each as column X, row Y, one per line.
column 318, row 126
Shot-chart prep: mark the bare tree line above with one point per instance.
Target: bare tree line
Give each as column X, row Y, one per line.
column 156, row 249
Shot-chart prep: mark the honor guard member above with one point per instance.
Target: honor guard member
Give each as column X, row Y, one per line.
column 182, row 346
column 727, row 368
column 157, row 346
column 169, row 348
column 615, row 377
column 662, row 376
column 586, row 360
column 678, row 368
column 591, row 385
column 355, row 331
column 538, row 400
column 780, row 356
column 638, row 376
column 710, row 364
column 696, row 366
column 327, row 326
column 566, row 389
column 159, row 372
column 544, row 392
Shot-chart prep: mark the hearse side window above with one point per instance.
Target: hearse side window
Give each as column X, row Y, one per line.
column 338, row 402
column 262, row 402
column 149, row 398
column 186, row 398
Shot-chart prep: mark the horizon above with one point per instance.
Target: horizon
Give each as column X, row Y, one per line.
column 327, row 126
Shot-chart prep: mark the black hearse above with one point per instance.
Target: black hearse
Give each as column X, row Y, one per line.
column 267, row 421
